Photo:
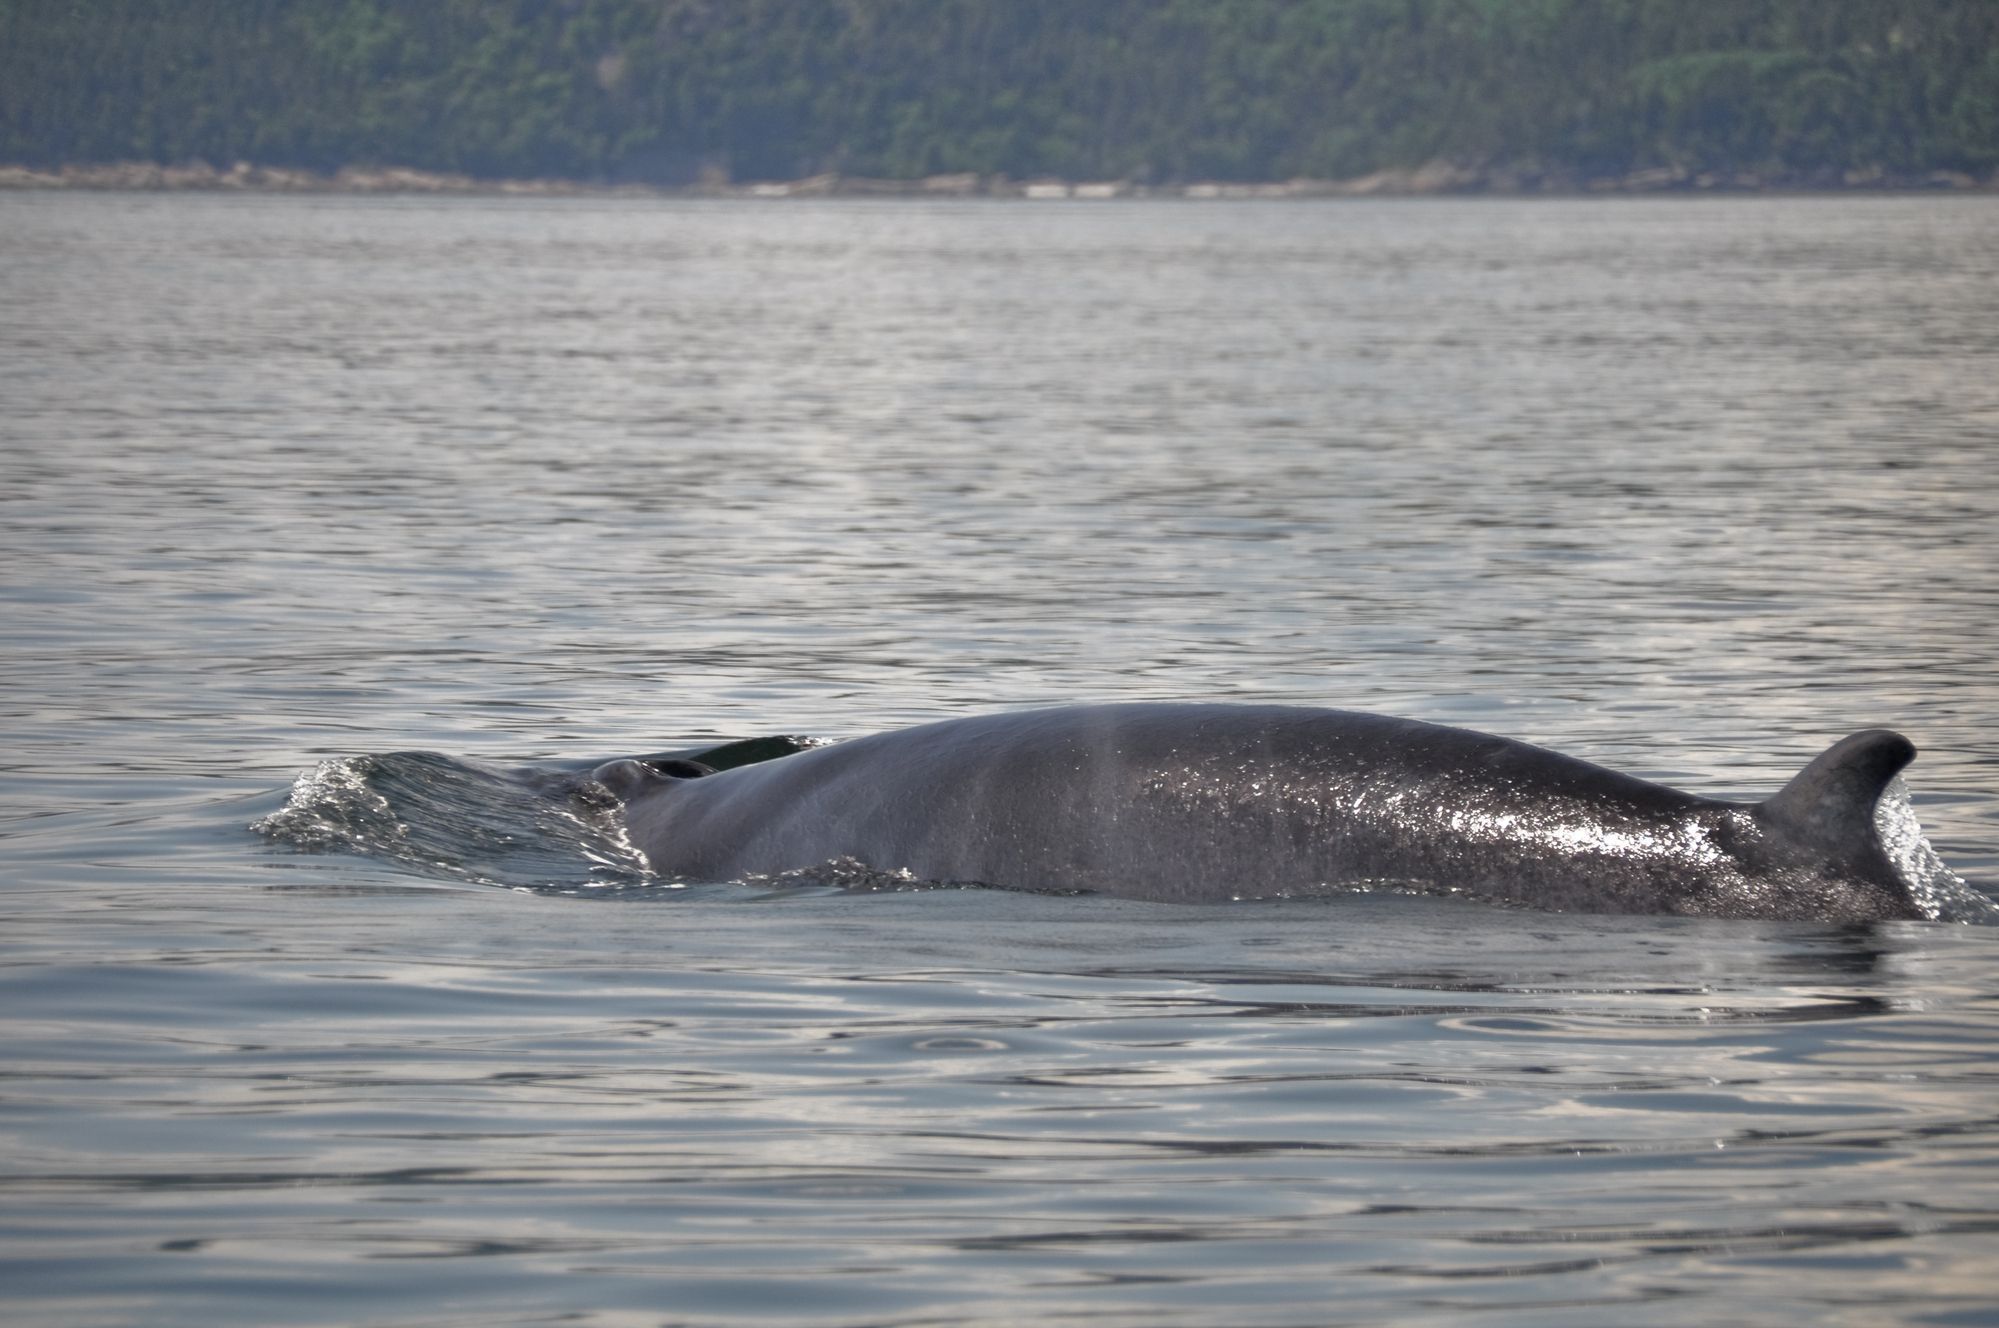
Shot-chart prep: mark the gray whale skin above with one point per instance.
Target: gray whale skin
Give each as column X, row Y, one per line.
column 1202, row 803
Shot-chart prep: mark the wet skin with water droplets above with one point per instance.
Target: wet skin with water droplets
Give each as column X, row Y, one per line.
column 1212, row 802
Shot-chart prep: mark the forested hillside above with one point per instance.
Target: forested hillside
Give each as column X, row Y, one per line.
column 665, row 91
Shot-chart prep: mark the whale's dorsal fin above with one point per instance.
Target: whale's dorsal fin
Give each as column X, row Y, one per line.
column 1831, row 801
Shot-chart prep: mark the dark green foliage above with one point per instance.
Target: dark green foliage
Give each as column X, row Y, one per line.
column 663, row 90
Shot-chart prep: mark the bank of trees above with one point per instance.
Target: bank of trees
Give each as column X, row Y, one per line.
column 1151, row 90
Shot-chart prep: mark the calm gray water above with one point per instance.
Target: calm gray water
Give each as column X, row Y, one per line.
column 1687, row 487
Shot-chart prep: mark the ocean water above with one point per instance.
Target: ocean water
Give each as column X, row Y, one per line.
column 337, row 534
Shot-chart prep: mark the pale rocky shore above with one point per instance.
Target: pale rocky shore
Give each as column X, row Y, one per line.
column 1433, row 178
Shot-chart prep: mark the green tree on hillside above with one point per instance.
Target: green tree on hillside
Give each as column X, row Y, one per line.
column 661, row 90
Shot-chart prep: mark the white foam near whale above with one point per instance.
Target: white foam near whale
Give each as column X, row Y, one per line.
column 1939, row 892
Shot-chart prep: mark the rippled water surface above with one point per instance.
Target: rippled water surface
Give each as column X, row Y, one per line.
column 1690, row 488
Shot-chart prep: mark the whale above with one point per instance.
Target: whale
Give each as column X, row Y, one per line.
column 1200, row 803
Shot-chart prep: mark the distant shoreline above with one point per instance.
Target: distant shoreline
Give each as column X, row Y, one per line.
column 1436, row 178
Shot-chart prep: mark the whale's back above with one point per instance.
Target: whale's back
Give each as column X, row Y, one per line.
column 1210, row 802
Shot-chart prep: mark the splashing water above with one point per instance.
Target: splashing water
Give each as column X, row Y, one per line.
column 460, row 821
column 528, row 827
column 1938, row 891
